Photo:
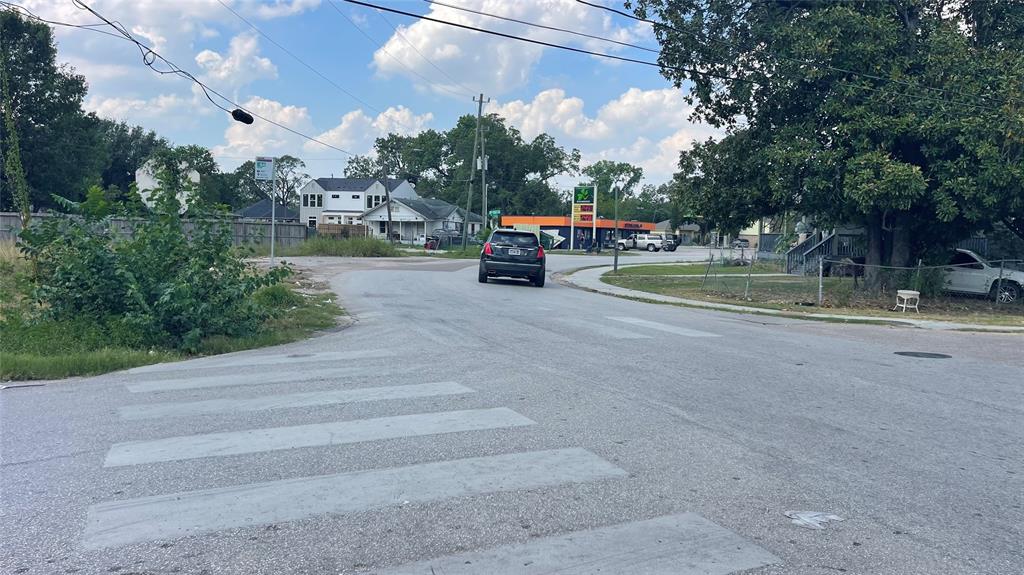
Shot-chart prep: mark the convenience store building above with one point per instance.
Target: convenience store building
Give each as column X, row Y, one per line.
column 560, row 227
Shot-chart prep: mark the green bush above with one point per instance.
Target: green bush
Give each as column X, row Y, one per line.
column 350, row 247
column 164, row 286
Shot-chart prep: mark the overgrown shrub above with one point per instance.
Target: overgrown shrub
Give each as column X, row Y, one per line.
column 157, row 288
column 350, row 247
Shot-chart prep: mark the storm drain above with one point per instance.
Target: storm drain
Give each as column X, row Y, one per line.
column 923, row 354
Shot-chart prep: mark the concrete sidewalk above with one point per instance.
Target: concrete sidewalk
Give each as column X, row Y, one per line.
column 590, row 279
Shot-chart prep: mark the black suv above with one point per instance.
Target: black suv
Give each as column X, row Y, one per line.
column 512, row 254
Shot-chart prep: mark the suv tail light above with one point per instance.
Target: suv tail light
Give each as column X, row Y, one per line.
column 487, row 249
column 540, row 252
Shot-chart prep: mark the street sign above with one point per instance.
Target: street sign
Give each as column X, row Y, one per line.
column 494, row 213
column 583, row 195
column 265, row 169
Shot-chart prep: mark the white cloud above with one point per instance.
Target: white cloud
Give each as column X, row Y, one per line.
column 282, row 8
column 263, row 138
column 475, row 59
column 356, row 132
column 635, row 111
column 241, row 66
column 137, row 108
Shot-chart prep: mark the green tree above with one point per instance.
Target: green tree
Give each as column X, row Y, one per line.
column 899, row 115
column 60, row 146
column 10, row 150
column 127, row 147
column 290, row 178
column 606, row 174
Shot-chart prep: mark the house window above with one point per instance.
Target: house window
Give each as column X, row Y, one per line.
column 382, row 227
column 319, row 200
column 312, row 222
column 305, row 200
column 355, row 196
column 369, row 201
column 335, row 196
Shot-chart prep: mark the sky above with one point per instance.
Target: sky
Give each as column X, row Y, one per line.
column 346, row 74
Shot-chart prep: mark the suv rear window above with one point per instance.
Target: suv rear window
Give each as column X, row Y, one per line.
column 525, row 240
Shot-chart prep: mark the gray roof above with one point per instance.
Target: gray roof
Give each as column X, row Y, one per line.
column 354, row 184
column 261, row 210
column 435, row 209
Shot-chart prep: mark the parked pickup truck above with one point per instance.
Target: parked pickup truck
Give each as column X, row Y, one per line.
column 649, row 242
column 967, row 272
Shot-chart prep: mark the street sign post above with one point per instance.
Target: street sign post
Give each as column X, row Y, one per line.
column 266, row 172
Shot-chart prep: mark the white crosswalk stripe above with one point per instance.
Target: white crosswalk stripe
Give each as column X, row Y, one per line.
column 251, row 360
column 604, row 330
column 685, row 544
column 180, row 514
column 664, row 327
column 291, row 400
column 234, row 380
column 317, row 434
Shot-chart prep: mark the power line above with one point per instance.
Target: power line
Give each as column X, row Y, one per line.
column 383, row 49
column 149, row 58
column 690, row 71
column 299, row 60
column 545, row 27
column 413, row 46
column 657, row 24
column 28, row 13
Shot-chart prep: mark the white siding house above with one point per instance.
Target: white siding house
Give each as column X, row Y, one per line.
column 343, row 200
column 415, row 218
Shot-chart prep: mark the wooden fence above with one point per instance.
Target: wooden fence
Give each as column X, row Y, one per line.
column 243, row 231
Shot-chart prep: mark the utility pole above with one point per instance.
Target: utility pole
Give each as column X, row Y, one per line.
column 483, row 177
column 387, row 198
column 472, row 170
column 483, row 157
column 615, row 234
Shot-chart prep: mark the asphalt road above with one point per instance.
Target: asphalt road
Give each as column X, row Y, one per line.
column 465, row 428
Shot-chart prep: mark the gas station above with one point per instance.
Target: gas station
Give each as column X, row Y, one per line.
column 555, row 231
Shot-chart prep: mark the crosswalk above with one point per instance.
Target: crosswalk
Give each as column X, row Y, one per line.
column 691, row 544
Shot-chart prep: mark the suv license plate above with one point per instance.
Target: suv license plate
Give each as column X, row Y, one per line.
column 514, row 252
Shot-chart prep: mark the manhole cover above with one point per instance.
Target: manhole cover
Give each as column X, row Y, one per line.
column 924, row 354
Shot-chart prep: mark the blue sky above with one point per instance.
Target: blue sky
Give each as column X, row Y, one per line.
column 423, row 77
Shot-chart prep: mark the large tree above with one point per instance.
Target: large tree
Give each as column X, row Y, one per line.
column 901, row 115
column 607, row 175
column 290, row 178
column 127, row 147
column 519, row 173
column 61, row 147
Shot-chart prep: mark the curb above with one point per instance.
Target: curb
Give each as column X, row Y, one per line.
column 563, row 278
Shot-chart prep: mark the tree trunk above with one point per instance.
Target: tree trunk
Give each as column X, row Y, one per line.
column 873, row 258
column 900, row 256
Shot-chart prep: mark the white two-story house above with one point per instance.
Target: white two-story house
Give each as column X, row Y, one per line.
column 344, row 200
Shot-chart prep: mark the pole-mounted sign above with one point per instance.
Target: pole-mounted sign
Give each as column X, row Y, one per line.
column 584, row 212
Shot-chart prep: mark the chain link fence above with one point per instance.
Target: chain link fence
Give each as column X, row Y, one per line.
column 961, row 289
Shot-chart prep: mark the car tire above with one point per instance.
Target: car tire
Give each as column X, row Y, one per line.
column 481, row 275
column 538, row 280
column 1010, row 292
column 651, row 248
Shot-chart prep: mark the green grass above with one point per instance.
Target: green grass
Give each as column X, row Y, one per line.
column 697, row 269
column 54, row 350
column 23, row 366
column 800, row 294
column 324, row 246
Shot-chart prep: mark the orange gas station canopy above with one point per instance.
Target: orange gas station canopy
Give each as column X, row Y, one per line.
column 563, row 222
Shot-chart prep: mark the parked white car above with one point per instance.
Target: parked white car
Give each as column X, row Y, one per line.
column 649, row 242
column 968, row 272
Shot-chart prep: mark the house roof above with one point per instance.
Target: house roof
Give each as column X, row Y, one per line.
column 432, row 209
column 354, row 184
column 261, row 210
